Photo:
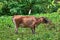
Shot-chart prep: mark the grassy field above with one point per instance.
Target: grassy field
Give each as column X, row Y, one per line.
column 42, row 32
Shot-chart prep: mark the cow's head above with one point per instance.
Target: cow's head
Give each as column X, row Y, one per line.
column 42, row 20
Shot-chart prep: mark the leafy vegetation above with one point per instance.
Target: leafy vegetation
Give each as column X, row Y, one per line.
column 42, row 32
column 38, row 8
column 12, row 7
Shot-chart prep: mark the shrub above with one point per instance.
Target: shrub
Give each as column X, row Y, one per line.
column 12, row 7
column 58, row 11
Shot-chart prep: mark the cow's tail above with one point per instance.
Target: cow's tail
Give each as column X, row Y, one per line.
column 12, row 18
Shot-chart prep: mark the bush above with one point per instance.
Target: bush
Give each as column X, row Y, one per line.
column 58, row 11
column 1, row 6
column 44, row 6
column 12, row 7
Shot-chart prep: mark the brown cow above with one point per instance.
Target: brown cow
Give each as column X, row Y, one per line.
column 27, row 22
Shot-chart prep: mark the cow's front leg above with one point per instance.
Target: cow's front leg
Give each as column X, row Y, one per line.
column 33, row 30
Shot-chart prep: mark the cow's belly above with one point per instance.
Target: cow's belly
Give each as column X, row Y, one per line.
column 24, row 26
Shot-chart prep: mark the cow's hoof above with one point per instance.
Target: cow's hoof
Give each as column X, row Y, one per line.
column 16, row 32
column 33, row 33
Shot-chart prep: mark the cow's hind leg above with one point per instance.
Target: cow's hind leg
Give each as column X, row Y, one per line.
column 16, row 29
column 16, row 26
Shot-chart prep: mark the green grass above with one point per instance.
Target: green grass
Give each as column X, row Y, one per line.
column 42, row 32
